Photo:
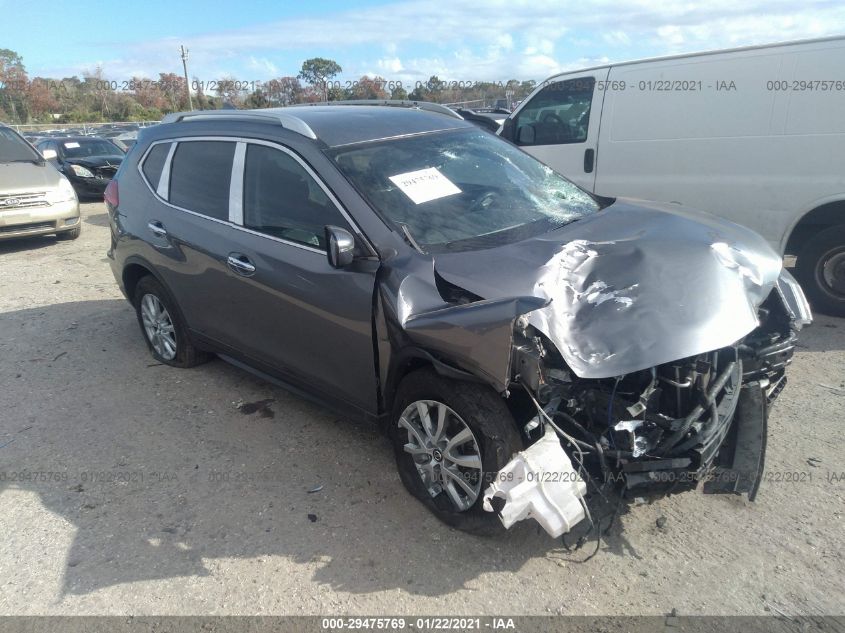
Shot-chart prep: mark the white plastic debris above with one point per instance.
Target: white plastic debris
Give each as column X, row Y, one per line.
column 539, row 483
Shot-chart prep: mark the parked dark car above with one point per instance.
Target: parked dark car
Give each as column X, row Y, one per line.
column 488, row 118
column 88, row 162
column 403, row 266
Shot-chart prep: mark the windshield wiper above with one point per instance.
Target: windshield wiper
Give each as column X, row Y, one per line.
column 410, row 238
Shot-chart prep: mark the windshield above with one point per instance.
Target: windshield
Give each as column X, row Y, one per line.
column 462, row 190
column 14, row 149
column 83, row 148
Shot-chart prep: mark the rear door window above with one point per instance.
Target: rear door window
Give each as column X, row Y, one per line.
column 200, row 175
column 154, row 163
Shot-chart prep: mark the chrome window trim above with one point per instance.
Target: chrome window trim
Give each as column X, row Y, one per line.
column 320, row 183
column 163, row 188
column 164, row 169
column 245, row 140
column 236, row 185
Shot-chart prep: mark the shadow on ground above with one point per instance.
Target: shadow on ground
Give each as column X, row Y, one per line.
column 20, row 244
column 159, row 469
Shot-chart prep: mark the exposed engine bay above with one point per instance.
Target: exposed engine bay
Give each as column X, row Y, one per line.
column 649, row 341
column 658, row 430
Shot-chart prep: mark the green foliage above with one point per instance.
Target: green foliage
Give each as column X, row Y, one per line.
column 317, row 71
column 94, row 98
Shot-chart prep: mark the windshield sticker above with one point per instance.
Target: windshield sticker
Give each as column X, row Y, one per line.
column 424, row 185
column 70, row 145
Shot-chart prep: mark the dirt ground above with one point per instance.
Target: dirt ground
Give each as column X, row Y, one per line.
column 128, row 487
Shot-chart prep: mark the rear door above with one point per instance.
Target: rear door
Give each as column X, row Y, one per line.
column 559, row 125
column 240, row 234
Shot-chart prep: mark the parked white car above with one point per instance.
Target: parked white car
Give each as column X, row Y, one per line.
column 756, row 135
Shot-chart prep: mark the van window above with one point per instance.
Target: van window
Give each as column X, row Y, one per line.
column 557, row 115
column 281, row 199
column 154, row 163
column 199, row 177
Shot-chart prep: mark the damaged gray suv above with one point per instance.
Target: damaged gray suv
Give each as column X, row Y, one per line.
column 517, row 337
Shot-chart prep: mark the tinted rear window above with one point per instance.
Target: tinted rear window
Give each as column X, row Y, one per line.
column 199, row 177
column 154, row 163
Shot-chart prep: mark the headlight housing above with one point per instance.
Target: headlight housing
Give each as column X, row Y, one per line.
column 81, row 171
column 62, row 193
column 794, row 300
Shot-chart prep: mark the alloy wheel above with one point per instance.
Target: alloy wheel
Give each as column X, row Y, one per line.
column 158, row 326
column 444, row 450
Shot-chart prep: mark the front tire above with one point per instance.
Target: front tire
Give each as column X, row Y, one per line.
column 450, row 439
column 821, row 270
column 163, row 328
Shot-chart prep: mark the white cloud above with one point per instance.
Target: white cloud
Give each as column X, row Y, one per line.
column 483, row 39
column 617, row 38
column 263, row 65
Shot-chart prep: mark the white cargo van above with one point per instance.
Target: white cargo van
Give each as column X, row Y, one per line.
column 756, row 135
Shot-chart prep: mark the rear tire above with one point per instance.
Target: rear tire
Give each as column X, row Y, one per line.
column 821, row 270
column 163, row 327
column 493, row 434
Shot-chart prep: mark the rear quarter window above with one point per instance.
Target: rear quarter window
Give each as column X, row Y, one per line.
column 154, row 163
column 200, row 175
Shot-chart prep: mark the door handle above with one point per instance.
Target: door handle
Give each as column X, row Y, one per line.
column 240, row 264
column 157, row 229
column 589, row 157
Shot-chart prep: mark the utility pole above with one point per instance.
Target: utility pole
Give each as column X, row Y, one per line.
column 185, row 68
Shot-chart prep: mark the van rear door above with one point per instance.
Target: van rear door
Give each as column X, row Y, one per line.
column 559, row 124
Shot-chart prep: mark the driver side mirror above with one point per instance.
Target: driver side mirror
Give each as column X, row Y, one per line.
column 526, row 135
column 340, row 245
column 49, row 154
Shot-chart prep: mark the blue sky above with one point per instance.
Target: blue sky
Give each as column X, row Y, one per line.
column 400, row 40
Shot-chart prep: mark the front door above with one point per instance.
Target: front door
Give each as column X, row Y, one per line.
column 283, row 303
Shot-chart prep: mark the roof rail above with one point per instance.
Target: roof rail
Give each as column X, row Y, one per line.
column 420, row 105
column 266, row 115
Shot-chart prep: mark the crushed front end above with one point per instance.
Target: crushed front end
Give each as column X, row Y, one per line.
column 664, row 429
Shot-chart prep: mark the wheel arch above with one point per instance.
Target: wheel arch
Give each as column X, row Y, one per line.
column 411, row 359
column 135, row 269
column 824, row 214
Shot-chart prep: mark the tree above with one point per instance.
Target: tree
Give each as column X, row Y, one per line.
column 231, row 90
column 317, row 71
column 173, row 93
column 399, row 93
column 367, row 88
column 40, row 97
column 148, row 94
column 284, row 91
column 201, row 99
column 13, row 84
column 257, row 99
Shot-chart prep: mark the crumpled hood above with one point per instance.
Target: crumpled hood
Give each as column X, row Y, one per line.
column 631, row 287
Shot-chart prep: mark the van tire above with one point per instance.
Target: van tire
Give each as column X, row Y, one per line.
column 825, row 248
column 481, row 409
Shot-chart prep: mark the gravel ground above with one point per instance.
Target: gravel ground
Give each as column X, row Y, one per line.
column 131, row 487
